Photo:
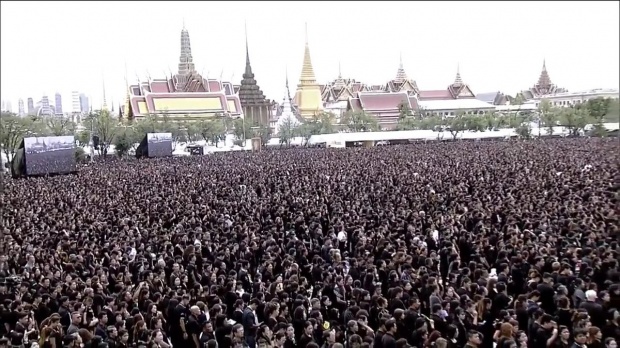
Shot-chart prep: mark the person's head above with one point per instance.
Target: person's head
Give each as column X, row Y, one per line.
column 441, row 343
column 580, row 336
column 280, row 339
column 611, row 342
column 329, row 336
column 591, row 295
column 546, row 321
column 509, row 344
column 237, row 331
column 76, row 317
column 355, row 341
column 506, row 330
column 390, row 326
column 594, row 334
column 521, row 337
column 123, row 335
column 474, row 338
column 264, row 332
column 254, row 303
column 308, row 328
column 290, row 331
column 352, row 326
column 564, row 333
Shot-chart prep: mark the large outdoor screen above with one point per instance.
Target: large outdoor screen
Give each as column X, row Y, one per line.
column 159, row 144
column 50, row 155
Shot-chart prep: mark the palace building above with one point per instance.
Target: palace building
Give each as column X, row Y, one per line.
column 185, row 95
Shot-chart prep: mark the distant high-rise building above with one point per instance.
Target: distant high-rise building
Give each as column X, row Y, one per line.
column 75, row 102
column 20, row 107
column 84, row 104
column 9, row 107
column 30, row 106
column 58, row 103
column 45, row 110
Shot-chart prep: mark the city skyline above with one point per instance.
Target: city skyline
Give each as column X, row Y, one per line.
column 492, row 44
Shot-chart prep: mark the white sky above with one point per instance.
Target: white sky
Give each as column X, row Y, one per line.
column 63, row 46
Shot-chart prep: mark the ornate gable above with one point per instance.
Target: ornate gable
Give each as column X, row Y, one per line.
column 458, row 89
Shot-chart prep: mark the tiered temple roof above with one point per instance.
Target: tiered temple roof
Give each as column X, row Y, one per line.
column 249, row 92
column 543, row 87
column 401, row 83
column 457, row 90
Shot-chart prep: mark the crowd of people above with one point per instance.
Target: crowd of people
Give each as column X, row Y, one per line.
column 506, row 244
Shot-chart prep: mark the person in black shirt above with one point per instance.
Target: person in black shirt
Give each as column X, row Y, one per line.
column 546, row 333
column 18, row 334
column 193, row 327
column 388, row 341
column 207, row 334
column 250, row 323
column 307, row 336
column 178, row 331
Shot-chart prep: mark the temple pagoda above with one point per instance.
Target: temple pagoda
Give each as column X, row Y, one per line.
column 401, row 83
column 256, row 107
column 458, row 89
column 543, row 87
column 308, row 95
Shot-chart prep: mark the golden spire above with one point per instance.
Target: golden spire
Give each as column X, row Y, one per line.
column 307, row 72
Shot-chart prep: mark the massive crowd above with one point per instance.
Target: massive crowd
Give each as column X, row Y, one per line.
column 461, row 244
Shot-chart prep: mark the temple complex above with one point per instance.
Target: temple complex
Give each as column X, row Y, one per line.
column 256, row 107
column 308, row 95
column 401, row 92
column 542, row 87
column 185, row 95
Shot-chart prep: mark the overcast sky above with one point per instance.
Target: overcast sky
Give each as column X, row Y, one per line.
column 57, row 46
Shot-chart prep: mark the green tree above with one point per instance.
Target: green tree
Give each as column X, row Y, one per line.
column 408, row 123
column 549, row 120
column 213, row 131
column 359, row 121
column 575, row 120
column 476, row 123
column 598, row 108
column 83, row 137
column 80, row 155
column 306, row 131
column 264, row 133
column 241, row 129
column 524, row 130
column 514, row 120
column 545, row 108
column 12, row 130
column 456, row 124
column 105, row 126
column 192, row 131
column 287, row 131
column 613, row 112
column 59, row 125
column 323, row 123
column 126, row 139
column 490, row 120
column 434, row 123
column 518, row 99
column 404, row 111
column 598, row 130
